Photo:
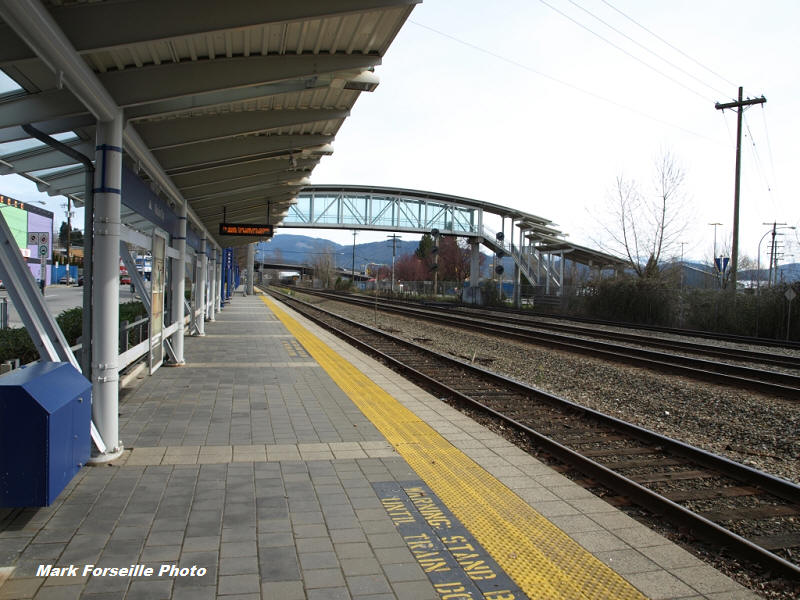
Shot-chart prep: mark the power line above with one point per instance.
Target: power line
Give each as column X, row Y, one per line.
column 678, row 50
column 560, row 81
column 756, row 156
column 769, row 146
column 646, row 49
column 625, row 52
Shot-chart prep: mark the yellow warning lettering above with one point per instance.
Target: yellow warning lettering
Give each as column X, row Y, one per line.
column 464, row 556
column 418, row 542
column 451, row 542
column 452, row 591
column 499, row 595
column 397, row 510
column 433, row 514
column 477, row 570
column 431, row 562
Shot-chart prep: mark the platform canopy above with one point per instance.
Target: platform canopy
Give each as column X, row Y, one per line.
column 227, row 105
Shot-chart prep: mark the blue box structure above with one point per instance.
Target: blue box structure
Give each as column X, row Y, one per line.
column 45, row 417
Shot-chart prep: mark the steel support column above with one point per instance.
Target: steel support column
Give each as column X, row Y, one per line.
column 251, row 267
column 475, row 271
column 201, row 294
column 218, row 282
column 105, row 286
column 212, row 282
column 517, row 270
column 178, row 282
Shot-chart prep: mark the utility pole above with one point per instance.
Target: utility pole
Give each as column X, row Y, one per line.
column 394, row 238
column 739, row 105
column 353, row 268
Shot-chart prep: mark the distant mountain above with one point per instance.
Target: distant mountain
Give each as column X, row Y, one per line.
column 300, row 249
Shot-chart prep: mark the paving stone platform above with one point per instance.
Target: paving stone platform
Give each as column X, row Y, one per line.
column 251, row 463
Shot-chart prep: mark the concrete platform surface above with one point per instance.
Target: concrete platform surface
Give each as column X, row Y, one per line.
column 269, row 467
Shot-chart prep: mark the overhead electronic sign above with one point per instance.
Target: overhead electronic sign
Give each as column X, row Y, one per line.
column 248, row 229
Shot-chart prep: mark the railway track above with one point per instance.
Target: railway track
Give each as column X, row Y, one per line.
column 713, row 366
column 748, row 513
column 696, row 333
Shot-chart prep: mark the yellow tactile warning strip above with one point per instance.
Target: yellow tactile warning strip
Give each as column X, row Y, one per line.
column 544, row 561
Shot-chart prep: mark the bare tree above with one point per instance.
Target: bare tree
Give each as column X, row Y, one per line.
column 324, row 263
column 646, row 227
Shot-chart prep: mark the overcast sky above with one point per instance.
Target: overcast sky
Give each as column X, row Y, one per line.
column 473, row 109
column 511, row 102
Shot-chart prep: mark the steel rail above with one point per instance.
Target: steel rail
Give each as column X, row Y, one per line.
column 771, row 382
column 700, row 526
column 727, row 337
column 752, row 356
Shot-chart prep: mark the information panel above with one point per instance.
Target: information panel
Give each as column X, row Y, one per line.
column 248, row 229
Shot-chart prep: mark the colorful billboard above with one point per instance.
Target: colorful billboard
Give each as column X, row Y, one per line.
column 23, row 219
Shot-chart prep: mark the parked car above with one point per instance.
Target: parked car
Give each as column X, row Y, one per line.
column 78, row 281
column 124, row 279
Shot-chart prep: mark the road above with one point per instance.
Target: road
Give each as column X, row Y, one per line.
column 59, row 298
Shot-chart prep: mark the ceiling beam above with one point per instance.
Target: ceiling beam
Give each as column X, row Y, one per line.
column 169, row 81
column 213, row 152
column 15, row 133
column 245, row 183
column 247, row 193
column 176, row 106
column 191, row 130
column 206, row 181
column 43, row 158
column 241, row 207
column 151, row 20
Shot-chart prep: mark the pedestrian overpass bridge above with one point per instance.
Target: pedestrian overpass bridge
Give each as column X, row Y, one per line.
column 530, row 240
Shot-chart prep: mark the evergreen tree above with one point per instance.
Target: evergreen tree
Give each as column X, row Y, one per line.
column 425, row 247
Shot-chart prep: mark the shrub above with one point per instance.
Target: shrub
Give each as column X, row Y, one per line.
column 16, row 343
column 633, row 300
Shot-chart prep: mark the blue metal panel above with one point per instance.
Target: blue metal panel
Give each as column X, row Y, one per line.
column 193, row 239
column 137, row 195
column 45, row 414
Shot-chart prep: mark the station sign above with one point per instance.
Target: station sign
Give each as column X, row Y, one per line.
column 248, row 229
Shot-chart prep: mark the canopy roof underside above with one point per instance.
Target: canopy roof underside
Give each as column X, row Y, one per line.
column 235, row 101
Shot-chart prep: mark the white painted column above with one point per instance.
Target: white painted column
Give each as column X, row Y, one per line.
column 105, row 285
column 218, row 284
column 178, row 282
column 251, row 267
column 212, row 282
column 200, row 289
